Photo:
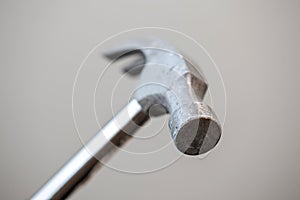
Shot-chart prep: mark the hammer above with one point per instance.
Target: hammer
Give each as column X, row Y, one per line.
column 169, row 84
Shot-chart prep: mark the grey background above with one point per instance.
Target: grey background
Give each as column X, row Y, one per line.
column 255, row 44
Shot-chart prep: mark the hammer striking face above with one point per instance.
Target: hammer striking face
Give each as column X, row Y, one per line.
column 174, row 86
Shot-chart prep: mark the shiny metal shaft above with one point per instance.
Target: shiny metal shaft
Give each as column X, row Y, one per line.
column 110, row 137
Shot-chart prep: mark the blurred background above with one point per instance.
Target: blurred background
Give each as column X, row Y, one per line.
column 255, row 45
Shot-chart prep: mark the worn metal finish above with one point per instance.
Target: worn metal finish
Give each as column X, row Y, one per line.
column 173, row 85
column 169, row 84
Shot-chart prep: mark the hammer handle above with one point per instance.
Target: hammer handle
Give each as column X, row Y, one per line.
column 109, row 138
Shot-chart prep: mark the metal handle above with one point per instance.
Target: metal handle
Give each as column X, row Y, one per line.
column 111, row 136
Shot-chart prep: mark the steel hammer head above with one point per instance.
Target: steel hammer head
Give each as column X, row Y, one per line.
column 170, row 84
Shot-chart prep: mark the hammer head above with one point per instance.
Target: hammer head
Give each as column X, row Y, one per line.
column 170, row 84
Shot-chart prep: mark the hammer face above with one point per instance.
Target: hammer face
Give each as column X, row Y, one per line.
column 195, row 128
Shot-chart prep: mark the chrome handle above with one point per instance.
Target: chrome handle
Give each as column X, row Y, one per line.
column 111, row 136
